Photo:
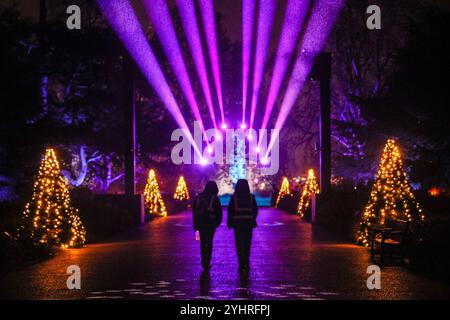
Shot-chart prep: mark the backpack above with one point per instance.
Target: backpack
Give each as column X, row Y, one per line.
column 205, row 209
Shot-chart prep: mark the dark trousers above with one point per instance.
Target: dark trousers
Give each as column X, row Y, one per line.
column 206, row 244
column 243, row 240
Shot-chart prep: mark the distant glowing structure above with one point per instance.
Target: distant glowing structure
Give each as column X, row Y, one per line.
column 391, row 196
column 181, row 192
column 153, row 200
column 284, row 191
column 311, row 187
column 238, row 167
column 49, row 219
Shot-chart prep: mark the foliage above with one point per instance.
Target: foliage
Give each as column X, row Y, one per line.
column 181, row 192
column 154, row 202
column 310, row 188
column 284, row 191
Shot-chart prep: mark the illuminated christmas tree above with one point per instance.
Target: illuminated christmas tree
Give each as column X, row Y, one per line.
column 391, row 196
column 153, row 199
column 238, row 166
column 49, row 219
column 311, row 187
column 181, row 192
column 284, row 191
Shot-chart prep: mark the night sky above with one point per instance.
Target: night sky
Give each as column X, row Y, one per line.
column 230, row 9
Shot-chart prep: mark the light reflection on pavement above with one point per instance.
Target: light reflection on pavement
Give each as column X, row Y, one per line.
column 291, row 259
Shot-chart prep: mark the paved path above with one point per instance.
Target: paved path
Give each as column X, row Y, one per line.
column 291, row 259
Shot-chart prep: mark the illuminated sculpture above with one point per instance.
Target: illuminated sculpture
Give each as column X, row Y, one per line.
column 181, row 192
column 49, row 218
column 284, row 190
column 153, row 200
column 311, row 187
column 238, row 166
column 391, row 196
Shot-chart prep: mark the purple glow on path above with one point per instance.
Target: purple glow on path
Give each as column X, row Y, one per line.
column 159, row 15
column 265, row 21
column 248, row 20
column 189, row 20
column 293, row 20
column 209, row 24
column 122, row 19
column 322, row 19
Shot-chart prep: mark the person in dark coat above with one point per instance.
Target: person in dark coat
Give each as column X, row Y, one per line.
column 242, row 213
column 207, row 216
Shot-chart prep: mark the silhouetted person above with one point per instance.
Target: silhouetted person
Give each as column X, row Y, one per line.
column 207, row 216
column 242, row 213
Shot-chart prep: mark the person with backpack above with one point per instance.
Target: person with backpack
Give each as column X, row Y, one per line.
column 207, row 216
column 242, row 213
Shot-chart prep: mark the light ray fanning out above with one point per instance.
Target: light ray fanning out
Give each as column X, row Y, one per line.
column 323, row 16
column 122, row 19
column 209, row 24
column 159, row 15
column 186, row 9
column 293, row 20
column 266, row 16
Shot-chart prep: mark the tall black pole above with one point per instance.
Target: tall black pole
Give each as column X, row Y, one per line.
column 130, row 127
column 42, row 11
column 324, row 60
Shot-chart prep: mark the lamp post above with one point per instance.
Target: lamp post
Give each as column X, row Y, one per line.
column 130, row 127
column 322, row 72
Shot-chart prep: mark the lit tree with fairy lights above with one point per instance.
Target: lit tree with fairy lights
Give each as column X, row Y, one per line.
column 238, row 167
column 311, row 187
column 284, row 191
column 391, row 197
column 153, row 200
column 49, row 218
column 181, row 192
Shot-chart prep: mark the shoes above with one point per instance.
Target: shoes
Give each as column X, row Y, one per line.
column 244, row 269
column 206, row 265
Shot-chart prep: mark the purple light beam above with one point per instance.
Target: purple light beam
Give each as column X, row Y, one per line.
column 293, row 20
column 324, row 14
column 189, row 20
column 122, row 19
column 209, row 24
column 248, row 20
column 265, row 22
column 159, row 15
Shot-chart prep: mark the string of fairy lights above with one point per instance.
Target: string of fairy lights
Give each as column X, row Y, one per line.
column 181, row 192
column 49, row 219
column 154, row 202
column 310, row 188
column 391, row 197
column 284, row 191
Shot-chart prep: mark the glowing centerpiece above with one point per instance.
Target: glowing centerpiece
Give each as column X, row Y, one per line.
column 238, row 167
column 391, row 196
column 153, row 200
column 284, row 191
column 49, row 218
column 181, row 192
column 311, row 187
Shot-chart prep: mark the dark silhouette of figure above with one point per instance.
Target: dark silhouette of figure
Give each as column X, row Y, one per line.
column 205, row 283
column 242, row 213
column 207, row 216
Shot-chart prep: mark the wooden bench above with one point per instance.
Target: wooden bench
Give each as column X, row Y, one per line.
column 389, row 239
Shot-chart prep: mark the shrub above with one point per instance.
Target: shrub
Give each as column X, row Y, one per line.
column 341, row 210
column 103, row 215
